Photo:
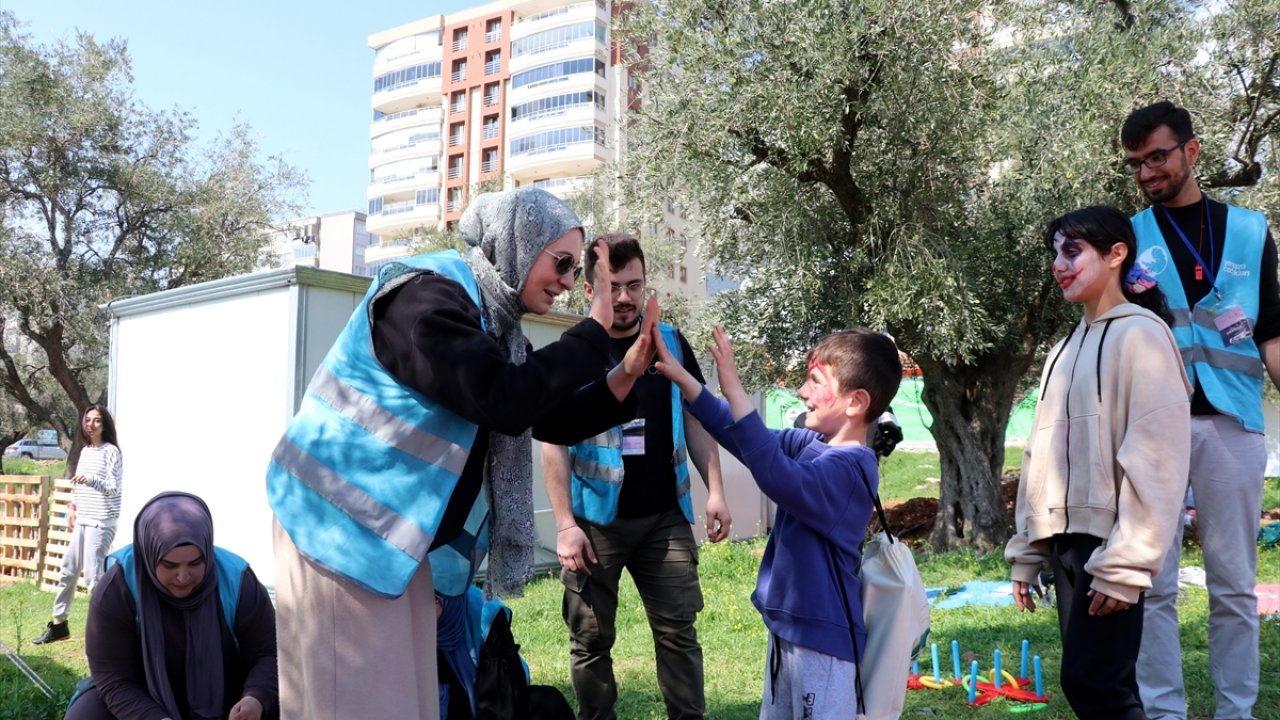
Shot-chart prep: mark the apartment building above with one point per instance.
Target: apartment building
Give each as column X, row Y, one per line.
column 507, row 94
column 333, row 241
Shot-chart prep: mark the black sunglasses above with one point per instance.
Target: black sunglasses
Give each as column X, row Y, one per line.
column 565, row 263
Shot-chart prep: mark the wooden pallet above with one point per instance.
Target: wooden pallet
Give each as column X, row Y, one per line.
column 58, row 538
column 24, row 524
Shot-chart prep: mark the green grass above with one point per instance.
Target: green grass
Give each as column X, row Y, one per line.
column 910, row 474
column 20, row 466
column 732, row 636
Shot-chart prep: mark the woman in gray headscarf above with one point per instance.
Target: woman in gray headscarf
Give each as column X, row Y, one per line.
column 426, row 398
column 178, row 628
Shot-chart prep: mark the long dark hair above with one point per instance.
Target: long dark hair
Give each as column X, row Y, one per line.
column 108, row 424
column 1102, row 226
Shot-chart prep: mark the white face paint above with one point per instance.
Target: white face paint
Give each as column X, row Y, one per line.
column 1080, row 269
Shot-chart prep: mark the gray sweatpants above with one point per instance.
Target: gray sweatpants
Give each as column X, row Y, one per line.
column 1227, row 465
column 88, row 552
column 803, row 683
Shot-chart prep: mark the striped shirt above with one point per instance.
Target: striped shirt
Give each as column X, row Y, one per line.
column 98, row 500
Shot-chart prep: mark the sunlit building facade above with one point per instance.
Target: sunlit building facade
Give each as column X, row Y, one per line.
column 506, row 94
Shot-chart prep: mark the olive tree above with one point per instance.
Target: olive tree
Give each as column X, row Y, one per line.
column 101, row 197
column 891, row 163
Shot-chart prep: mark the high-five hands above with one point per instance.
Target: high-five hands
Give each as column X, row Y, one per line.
column 601, row 309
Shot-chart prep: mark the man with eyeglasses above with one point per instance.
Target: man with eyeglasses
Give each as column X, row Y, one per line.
column 1217, row 266
column 622, row 500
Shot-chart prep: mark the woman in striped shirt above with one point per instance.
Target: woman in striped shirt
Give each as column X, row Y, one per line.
column 96, row 489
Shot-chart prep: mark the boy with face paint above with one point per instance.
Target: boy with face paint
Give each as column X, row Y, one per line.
column 821, row 477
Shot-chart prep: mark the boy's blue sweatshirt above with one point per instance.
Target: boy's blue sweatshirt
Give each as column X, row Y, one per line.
column 822, row 501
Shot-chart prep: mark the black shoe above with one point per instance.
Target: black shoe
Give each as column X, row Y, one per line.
column 53, row 632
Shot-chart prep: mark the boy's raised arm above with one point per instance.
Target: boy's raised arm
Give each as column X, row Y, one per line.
column 673, row 369
column 727, row 370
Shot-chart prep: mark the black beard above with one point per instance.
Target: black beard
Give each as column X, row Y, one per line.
column 621, row 326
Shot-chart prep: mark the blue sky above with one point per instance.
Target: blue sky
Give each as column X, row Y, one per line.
column 299, row 73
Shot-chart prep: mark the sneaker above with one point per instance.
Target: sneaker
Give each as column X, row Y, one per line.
column 53, row 632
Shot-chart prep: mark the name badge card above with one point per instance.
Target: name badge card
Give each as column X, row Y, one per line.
column 633, row 437
column 1233, row 325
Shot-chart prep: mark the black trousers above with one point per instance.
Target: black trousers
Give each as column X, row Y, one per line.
column 1099, row 654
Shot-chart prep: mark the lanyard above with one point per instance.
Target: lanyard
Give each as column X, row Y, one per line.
column 1183, row 236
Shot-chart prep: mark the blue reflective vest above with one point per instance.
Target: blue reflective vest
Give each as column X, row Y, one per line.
column 596, row 469
column 1231, row 375
column 228, row 566
column 364, row 472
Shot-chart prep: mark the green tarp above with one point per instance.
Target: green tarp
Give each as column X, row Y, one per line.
column 782, row 406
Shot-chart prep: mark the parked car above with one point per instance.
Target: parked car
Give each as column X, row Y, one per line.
column 32, row 449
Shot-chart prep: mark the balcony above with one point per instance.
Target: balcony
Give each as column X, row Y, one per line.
column 412, row 117
column 454, row 172
column 396, row 217
column 493, row 36
column 459, row 75
column 455, row 206
column 493, row 67
column 458, row 106
column 491, row 99
column 460, row 44
column 489, row 166
column 491, row 131
column 568, row 159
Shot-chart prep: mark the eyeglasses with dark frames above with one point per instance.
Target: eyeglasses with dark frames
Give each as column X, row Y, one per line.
column 565, row 263
column 1153, row 160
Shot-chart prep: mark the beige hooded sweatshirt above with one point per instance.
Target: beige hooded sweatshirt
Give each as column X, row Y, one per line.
column 1109, row 451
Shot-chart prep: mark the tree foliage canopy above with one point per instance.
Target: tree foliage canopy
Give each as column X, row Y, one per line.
column 893, row 163
column 101, row 197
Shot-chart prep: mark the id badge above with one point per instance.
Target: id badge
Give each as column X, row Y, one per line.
column 1232, row 325
column 633, row 437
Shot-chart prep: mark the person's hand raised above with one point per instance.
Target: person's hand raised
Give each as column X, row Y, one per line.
column 726, row 364
column 601, row 309
column 640, row 354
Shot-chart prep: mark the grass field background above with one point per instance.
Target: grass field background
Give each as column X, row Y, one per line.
column 732, row 635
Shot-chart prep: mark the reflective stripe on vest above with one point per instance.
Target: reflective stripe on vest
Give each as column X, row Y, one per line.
column 596, row 468
column 364, row 472
column 1230, row 375
column 228, row 566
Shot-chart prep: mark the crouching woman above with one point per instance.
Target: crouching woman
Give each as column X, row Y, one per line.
column 178, row 629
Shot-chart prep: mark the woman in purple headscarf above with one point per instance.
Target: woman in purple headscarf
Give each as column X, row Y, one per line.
column 178, row 629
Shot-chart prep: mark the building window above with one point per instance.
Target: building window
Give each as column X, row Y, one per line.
column 459, row 102
column 407, row 76
column 684, row 274
column 459, row 71
column 493, row 30
column 556, row 71
column 491, row 94
column 556, row 105
column 558, row 139
column 375, row 206
column 429, row 196
column 455, row 167
column 455, row 200
column 490, row 127
column 459, row 39
column 556, row 38
column 457, row 134
column 489, row 161
column 493, row 62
